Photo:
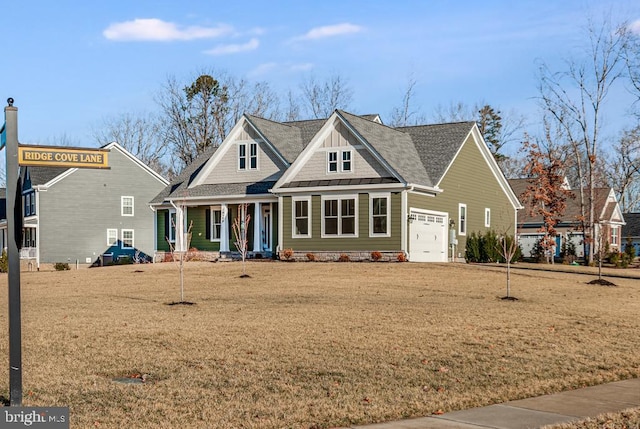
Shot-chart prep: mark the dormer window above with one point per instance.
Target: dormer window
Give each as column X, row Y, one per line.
column 247, row 156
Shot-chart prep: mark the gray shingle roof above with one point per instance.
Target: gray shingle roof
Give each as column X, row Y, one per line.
column 395, row 146
column 632, row 228
column 286, row 138
column 437, row 144
column 42, row 175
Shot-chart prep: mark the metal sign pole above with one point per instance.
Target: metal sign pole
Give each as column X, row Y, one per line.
column 14, row 199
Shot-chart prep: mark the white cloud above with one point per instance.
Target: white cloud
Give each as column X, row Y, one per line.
column 330, row 31
column 234, row 48
column 635, row 27
column 157, row 30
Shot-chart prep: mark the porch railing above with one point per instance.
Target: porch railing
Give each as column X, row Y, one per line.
column 28, row 253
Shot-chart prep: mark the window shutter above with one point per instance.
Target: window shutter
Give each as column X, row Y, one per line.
column 167, row 220
column 207, row 224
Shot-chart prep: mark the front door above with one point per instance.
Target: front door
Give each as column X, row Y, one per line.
column 266, row 228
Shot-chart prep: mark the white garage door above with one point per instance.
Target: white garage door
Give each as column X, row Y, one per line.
column 428, row 241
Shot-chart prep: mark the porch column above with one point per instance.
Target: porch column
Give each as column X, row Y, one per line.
column 257, row 220
column 224, row 228
column 181, row 231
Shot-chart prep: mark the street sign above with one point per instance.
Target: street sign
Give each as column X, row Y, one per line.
column 52, row 156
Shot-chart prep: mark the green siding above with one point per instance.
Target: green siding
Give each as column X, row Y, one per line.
column 362, row 243
column 199, row 239
column 160, row 232
column 470, row 181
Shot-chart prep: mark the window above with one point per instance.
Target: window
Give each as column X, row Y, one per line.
column 171, row 225
column 242, row 157
column 33, row 203
column 346, row 160
column 126, row 206
column 487, row 217
column 379, row 209
column 27, row 205
column 112, row 237
column 614, row 235
column 339, row 217
column 332, row 162
column 250, row 160
column 462, row 219
column 127, row 239
column 216, row 223
column 301, row 217
column 253, row 156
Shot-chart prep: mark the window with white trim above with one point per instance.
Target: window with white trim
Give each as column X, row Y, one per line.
column 127, row 239
column 487, row 217
column 28, row 205
column 339, row 216
column 462, row 219
column 112, row 237
column 301, row 208
column 380, row 211
column 216, row 223
column 247, row 157
column 346, row 160
column 126, row 206
column 172, row 225
column 332, row 162
column 614, row 235
column 33, row 203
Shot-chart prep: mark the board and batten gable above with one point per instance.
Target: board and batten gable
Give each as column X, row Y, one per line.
column 75, row 212
column 470, row 181
column 226, row 168
column 339, row 139
column 363, row 242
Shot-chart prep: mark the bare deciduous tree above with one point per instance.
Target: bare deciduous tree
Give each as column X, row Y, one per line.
column 140, row 134
column 623, row 170
column 575, row 99
column 240, row 225
column 407, row 114
column 323, row 97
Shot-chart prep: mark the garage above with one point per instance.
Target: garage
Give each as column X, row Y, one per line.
column 428, row 237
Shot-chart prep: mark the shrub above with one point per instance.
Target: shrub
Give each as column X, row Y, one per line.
column 568, row 252
column 483, row 248
column 376, row 256
column 343, row 258
column 61, row 266
column 4, row 262
column 402, row 257
column 472, row 250
column 614, row 258
column 287, row 254
column 311, row 257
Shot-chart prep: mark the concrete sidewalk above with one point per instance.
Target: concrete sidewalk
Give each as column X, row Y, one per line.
column 533, row 412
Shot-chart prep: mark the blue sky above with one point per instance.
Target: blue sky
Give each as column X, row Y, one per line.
column 70, row 64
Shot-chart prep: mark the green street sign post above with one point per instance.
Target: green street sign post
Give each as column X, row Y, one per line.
column 16, row 155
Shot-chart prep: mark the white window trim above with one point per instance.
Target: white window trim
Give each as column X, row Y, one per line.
column 337, row 161
column 293, row 217
column 172, row 229
column 614, row 235
column 340, row 198
column 386, row 195
column 122, row 206
column 466, row 219
column 28, row 205
column 350, row 152
column 487, row 217
column 212, row 224
column 110, row 234
column 247, row 155
column 133, row 239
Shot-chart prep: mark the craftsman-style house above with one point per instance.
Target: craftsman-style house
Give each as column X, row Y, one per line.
column 345, row 184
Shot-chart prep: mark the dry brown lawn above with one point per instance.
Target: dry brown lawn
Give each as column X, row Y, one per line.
column 312, row 345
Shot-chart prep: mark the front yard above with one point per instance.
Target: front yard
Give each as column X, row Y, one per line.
column 312, row 345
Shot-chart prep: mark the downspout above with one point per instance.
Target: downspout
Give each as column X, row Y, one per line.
column 37, row 195
column 155, row 232
column 404, row 213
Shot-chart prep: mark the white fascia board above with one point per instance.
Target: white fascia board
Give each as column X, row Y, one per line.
column 197, row 201
column 145, row 167
column 306, row 153
column 429, row 189
column 491, row 163
column 267, row 142
column 58, row 178
column 224, row 147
